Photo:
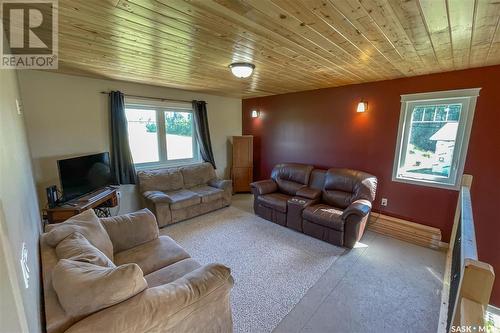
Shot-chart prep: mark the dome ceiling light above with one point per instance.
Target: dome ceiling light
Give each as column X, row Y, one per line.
column 242, row 70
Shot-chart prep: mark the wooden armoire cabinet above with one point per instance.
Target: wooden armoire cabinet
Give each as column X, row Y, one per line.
column 242, row 170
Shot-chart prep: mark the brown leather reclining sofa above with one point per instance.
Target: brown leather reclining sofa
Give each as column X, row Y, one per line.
column 332, row 205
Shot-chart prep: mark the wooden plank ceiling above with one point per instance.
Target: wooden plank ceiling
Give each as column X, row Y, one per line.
column 295, row 45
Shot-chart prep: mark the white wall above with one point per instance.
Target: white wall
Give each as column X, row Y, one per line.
column 67, row 115
column 20, row 309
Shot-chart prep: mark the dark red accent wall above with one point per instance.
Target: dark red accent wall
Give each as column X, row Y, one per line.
column 321, row 127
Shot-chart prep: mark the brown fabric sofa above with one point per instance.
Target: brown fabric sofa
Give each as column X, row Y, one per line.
column 177, row 293
column 332, row 205
column 176, row 194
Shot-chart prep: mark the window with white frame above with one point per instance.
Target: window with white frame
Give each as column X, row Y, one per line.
column 161, row 133
column 433, row 136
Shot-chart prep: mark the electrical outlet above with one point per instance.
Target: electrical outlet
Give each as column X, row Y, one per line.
column 384, row 202
column 24, row 266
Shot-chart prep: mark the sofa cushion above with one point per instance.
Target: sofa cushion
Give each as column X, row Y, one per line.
column 207, row 193
column 324, row 215
column 169, row 179
column 277, row 201
column 86, row 223
column 289, row 187
column 129, row 230
column 344, row 186
column 291, row 177
column 152, row 256
column 199, row 174
column 297, row 173
column 84, row 288
column 317, row 179
column 183, row 198
column 171, row 273
column 77, row 247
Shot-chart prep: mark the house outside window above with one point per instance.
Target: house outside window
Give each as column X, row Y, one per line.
column 433, row 137
column 161, row 133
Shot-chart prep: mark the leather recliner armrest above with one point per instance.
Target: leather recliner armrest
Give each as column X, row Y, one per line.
column 359, row 208
column 355, row 217
column 309, row 193
column 264, row 187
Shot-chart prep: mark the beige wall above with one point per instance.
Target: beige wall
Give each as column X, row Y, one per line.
column 19, row 216
column 67, row 115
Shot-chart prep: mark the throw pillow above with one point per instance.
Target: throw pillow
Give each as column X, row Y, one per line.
column 84, row 288
column 77, row 247
column 86, row 223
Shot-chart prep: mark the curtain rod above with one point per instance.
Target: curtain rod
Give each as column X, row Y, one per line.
column 156, row 98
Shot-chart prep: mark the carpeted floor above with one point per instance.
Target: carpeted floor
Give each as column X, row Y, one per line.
column 273, row 266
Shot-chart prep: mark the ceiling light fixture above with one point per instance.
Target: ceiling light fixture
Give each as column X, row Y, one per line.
column 242, row 70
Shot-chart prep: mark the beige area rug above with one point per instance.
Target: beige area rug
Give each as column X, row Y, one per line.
column 272, row 266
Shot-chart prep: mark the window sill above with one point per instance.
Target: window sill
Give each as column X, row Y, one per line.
column 427, row 183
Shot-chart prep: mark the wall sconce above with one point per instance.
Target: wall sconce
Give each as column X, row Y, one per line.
column 362, row 106
column 255, row 114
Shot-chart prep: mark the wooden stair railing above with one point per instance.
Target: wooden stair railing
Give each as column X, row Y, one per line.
column 467, row 282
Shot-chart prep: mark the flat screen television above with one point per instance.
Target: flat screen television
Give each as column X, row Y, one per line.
column 85, row 174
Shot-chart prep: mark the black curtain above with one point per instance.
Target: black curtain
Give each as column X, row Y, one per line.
column 121, row 157
column 202, row 131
